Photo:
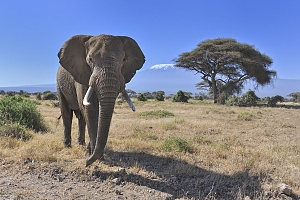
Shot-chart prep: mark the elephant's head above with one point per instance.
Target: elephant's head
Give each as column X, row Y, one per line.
column 104, row 63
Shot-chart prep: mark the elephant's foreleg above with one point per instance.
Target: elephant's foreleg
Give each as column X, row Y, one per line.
column 92, row 126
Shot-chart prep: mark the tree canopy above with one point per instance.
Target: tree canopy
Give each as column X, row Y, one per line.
column 225, row 65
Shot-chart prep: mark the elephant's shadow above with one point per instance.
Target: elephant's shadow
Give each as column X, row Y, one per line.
column 179, row 179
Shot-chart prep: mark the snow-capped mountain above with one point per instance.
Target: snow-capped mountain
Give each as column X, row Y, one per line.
column 164, row 77
column 162, row 67
column 170, row 79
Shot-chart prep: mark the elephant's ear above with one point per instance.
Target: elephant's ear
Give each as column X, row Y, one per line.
column 134, row 58
column 72, row 57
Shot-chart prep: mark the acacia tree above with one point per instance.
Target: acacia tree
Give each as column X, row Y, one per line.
column 225, row 65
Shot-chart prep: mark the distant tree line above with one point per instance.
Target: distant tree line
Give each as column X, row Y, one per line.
column 247, row 99
column 46, row 95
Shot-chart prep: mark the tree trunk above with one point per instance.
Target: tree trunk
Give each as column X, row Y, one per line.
column 214, row 88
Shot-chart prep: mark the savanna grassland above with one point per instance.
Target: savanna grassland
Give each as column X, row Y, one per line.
column 164, row 150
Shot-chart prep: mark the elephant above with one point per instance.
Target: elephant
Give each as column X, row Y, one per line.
column 93, row 71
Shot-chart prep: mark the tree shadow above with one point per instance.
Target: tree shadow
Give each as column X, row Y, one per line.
column 182, row 180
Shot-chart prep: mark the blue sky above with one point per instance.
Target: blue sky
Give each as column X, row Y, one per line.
column 33, row 31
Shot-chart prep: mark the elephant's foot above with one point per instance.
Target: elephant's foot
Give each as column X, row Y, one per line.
column 88, row 149
column 81, row 141
column 67, row 143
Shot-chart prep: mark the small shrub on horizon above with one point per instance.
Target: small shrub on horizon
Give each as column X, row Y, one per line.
column 180, row 97
column 274, row 100
column 141, row 97
column 50, row 96
column 246, row 100
column 159, row 96
column 38, row 96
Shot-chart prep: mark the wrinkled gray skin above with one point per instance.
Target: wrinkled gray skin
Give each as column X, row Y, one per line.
column 102, row 65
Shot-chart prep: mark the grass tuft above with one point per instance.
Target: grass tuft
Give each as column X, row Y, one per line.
column 15, row 131
column 246, row 116
column 156, row 114
column 177, row 144
column 144, row 135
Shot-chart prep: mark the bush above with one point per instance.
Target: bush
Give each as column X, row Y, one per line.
column 180, row 97
column 247, row 99
column 274, row 100
column 198, row 97
column 11, row 93
column 141, row 97
column 38, row 96
column 50, row 96
column 232, row 101
column 46, row 92
column 17, row 109
column 159, row 96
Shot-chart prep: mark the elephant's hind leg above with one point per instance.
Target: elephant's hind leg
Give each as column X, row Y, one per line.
column 81, row 127
column 67, row 115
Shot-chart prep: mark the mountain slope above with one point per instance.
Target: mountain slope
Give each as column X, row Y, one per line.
column 170, row 79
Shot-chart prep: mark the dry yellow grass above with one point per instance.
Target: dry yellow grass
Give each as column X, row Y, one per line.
column 227, row 144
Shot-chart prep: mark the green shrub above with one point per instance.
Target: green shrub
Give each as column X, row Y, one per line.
column 15, row 131
column 50, row 96
column 46, row 92
column 180, row 97
column 141, row 97
column 11, row 93
column 248, row 99
column 159, row 96
column 17, row 109
column 274, row 100
column 198, row 97
column 177, row 144
column 232, row 101
column 38, row 96
column 156, row 114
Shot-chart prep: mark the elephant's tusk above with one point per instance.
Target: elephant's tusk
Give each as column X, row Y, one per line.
column 125, row 95
column 87, row 96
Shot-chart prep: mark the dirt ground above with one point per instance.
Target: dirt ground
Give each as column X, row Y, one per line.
column 27, row 179
column 33, row 181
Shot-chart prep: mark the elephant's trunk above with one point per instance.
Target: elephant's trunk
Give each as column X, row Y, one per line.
column 107, row 89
